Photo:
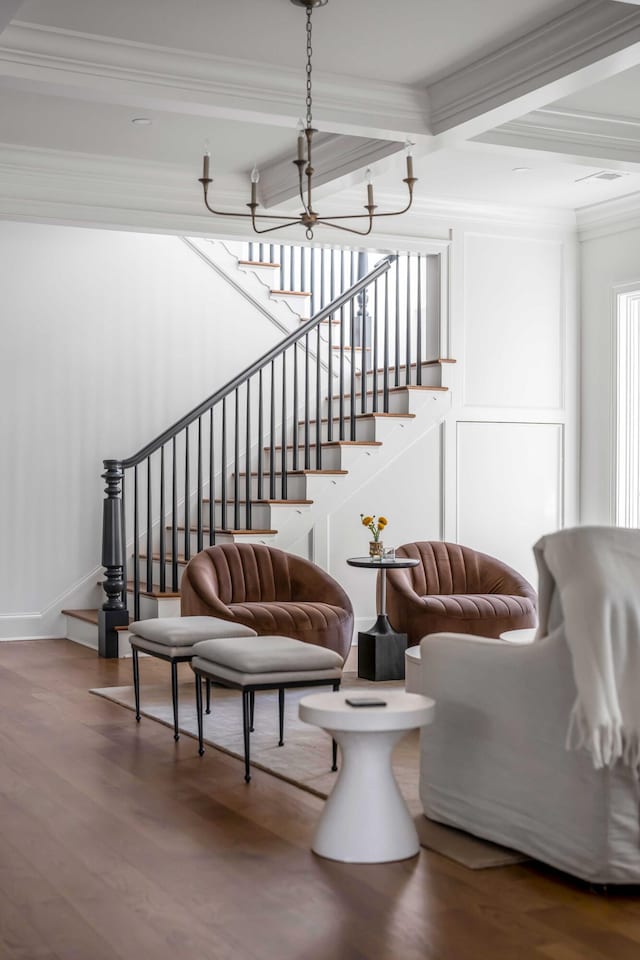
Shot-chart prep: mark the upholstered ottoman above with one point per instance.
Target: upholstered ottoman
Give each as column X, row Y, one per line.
column 262, row 663
column 173, row 639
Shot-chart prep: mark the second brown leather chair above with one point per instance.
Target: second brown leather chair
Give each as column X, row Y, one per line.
column 274, row 592
column 456, row 589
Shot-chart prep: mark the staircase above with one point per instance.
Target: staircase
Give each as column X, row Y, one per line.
column 265, row 457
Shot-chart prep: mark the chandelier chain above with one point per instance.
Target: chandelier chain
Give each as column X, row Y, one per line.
column 309, row 54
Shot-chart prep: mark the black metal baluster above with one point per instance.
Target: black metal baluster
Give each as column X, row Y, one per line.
column 397, row 324
column 149, row 585
column 314, row 292
column 294, row 418
column 292, row 275
column 136, row 549
column 374, row 337
column 236, row 457
column 282, row 286
column 364, row 376
column 200, row 537
column 318, row 403
column 330, row 380
column 163, row 545
column 354, row 269
column 174, row 515
column 408, row 330
column 271, row 253
column 251, row 251
column 307, row 457
column 123, row 540
column 260, row 436
column 352, row 405
column 247, row 461
column 187, row 498
column 323, row 281
column 272, row 434
column 283, row 429
column 303, row 268
column 212, row 482
column 419, row 325
column 332, row 273
column 261, row 252
column 385, row 375
column 341, row 376
column 223, row 467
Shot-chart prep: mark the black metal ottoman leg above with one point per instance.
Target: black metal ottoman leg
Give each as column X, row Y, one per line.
column 281, row 715
column 199, row 713
column 208, row 695
column 252, row 709
column 246, row 731
column 174, row 697
column 136, row 681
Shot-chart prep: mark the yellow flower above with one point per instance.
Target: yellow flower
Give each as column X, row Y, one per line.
column 382, row 521
column 366, row 521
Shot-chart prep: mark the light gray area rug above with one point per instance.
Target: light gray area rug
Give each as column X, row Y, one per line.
column 305, row 759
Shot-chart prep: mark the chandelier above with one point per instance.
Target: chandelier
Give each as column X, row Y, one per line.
column 309, row 218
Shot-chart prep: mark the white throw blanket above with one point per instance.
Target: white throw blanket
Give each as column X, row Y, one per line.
column 596, row 571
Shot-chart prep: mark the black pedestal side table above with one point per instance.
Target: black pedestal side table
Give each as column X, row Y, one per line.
column 381, row 649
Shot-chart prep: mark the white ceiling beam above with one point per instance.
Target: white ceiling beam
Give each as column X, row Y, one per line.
column 588, row 139
column 8, row 10
column 335, row 158
column 104, row 69
column 592, row 42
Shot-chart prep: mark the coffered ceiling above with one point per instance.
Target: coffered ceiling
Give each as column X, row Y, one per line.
column 484, row 90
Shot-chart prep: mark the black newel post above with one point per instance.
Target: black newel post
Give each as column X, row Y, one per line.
column 114, row 610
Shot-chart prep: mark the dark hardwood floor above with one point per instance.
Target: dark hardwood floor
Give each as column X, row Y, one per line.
column 117, row 843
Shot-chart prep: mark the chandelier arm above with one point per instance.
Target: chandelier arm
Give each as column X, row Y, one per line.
column 337, row 226
column 251, row 216
column 364, row 216
column 278, row 226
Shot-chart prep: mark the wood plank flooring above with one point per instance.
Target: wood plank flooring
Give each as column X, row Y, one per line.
column 117, row 843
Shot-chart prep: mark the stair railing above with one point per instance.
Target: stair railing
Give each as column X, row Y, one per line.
column 250, row 441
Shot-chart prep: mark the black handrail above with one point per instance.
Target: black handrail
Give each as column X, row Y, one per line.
column 275, row 351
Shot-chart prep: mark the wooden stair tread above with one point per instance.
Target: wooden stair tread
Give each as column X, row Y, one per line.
column 332, row 443
column 399, row 389
column 89, row 616
column 366, row 416
column 155, row 593
column 226, row 530
column 299, row 473
column 291, row 293
column 257, row 263
column 258, row 503
column 412, row 366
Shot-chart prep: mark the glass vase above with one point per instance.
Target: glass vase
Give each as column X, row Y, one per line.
column 376, row 548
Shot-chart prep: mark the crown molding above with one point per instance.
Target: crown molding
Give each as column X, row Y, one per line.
column 53, row 186
column 72, row 64
column 598, row 137
column 594, row 40
column 610, row 216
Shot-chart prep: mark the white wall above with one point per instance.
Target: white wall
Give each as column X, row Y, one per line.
column 107, row 338
column 606, row 261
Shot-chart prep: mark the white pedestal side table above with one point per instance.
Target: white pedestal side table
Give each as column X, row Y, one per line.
column 365, row 819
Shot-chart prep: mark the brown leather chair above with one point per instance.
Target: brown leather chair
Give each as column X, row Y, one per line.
column 275, row 593
column 456, row 589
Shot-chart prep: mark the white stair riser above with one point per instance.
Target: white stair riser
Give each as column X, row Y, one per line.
column 431, row 377
column 398, row 403
column 299, row 305
column 332, row 459
column 260, row 513
column 83, row 632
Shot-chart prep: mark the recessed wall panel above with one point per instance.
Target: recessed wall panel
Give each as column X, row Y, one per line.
column 513, row 307
column 509, row 488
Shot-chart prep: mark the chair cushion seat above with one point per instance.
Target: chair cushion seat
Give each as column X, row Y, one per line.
column 258, row 655
column 469, row 606
column 185, row 631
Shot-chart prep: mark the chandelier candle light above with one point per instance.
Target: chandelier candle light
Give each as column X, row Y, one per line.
column 309, row 218
column 376, row 527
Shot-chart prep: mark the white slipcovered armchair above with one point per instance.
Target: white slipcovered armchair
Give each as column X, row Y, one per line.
column 494, row 761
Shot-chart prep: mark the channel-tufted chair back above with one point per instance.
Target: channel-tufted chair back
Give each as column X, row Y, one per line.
column 457, row 589
column 274, row 592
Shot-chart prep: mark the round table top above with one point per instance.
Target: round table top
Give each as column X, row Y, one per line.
column 403, row 711
column 374, row 563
